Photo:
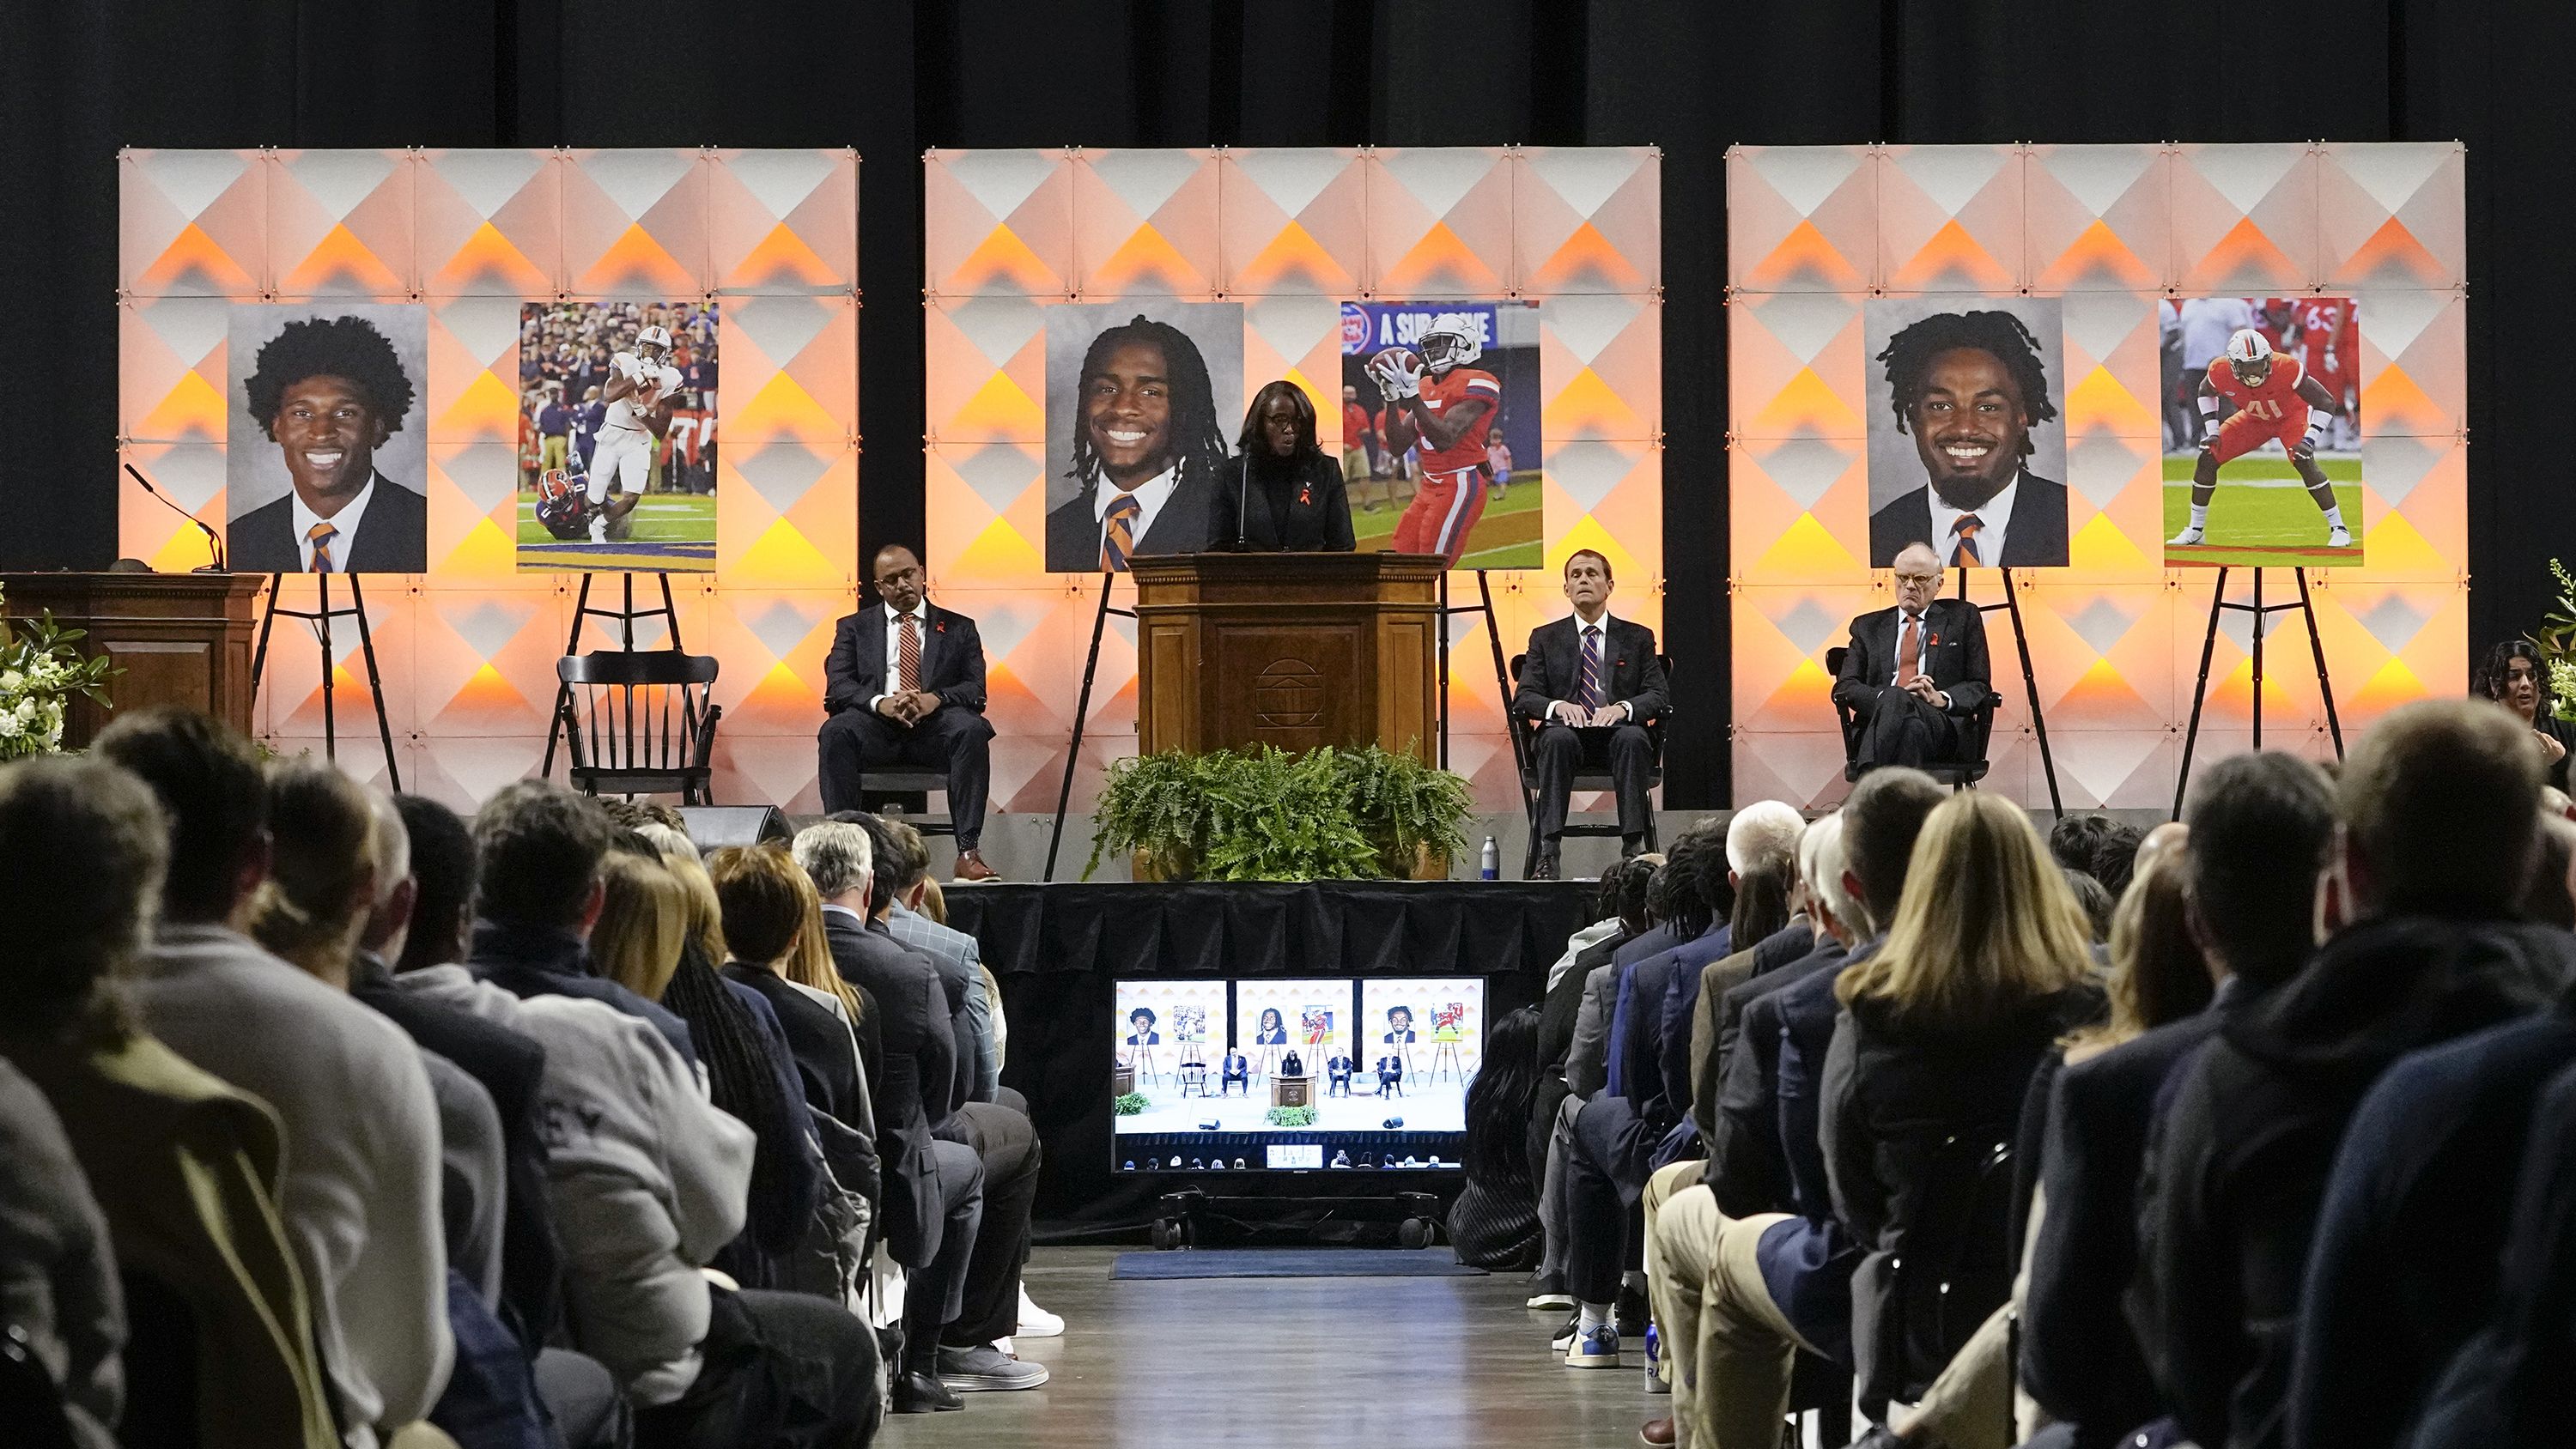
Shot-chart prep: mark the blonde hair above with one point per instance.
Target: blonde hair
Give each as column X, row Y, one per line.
column 808, row 961
column 2157, row 971
column 323, row 829
column 1985, row 925
column 934, row 901
column 704, row 915
column 642, row 922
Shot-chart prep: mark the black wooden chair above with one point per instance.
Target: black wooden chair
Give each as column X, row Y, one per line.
column 1974, row 731
column 30, row 1402
column 1524, row 742
column 1957, row 1267
column 640, row 722
column 900, row 793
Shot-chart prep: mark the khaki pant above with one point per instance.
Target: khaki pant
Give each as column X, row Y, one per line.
column 1731, row 1347
column 1669, row 1179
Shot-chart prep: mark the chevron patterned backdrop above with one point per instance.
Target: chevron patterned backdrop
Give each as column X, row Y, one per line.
column 468, row 649
column 1290, row 234
column 2115, row 639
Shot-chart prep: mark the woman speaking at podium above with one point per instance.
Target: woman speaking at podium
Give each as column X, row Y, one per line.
column 1288, row 496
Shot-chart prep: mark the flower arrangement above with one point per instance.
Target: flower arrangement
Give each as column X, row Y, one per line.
column 40, row 671
column 2557, row 642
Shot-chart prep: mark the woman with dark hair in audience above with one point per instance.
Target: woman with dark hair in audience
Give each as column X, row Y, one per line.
column 1495, row 1221
column 1984, row 969
column 2095, row 901
column 2514, row 676
column 1286, row 494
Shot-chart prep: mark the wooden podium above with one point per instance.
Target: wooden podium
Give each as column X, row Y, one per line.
column 1295, row 650
column 181, row 639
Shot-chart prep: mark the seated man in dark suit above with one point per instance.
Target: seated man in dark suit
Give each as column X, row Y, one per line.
column 905, row 686
column 1237, row 1068
column 1591, row 684
column 1914, row 671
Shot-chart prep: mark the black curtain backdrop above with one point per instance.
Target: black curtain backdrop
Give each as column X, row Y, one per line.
column 891, row 78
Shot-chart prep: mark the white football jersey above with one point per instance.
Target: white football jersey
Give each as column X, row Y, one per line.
column 652, row 384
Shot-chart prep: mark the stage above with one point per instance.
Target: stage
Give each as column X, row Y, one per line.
column 1059, row 951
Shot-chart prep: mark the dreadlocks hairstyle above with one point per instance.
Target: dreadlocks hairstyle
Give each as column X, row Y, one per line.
column 2000, row 335
column 1198, row 439
column 349, row 347
column 742, row 1083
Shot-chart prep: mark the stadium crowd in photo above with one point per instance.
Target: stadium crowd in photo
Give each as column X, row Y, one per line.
column 1591, row 723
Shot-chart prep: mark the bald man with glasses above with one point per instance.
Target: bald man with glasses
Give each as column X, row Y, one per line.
column 1915, row 671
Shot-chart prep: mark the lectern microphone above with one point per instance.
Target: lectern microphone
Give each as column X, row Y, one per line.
column 213, row 543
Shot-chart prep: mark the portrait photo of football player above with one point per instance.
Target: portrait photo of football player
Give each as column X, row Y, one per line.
column 624, row 478
column 1966, row 450
column 323, row 475
column 1456, row 385
column 2274, row 414
column 1137, row 457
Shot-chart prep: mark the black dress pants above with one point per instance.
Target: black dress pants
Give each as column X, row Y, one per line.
column 1008, row 1146
column 1625, row 750
column 782, row 1370
column 1904, row 730
column 1605, row 1184
column 954, row 739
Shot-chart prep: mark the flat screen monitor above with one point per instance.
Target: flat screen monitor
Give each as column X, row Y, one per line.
column 1328, row 1074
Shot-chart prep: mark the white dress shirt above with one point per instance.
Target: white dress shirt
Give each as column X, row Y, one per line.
column 346, row 521
column 920, row 617
column 1602, row 624
column 1993, row 520
column 1151, row 495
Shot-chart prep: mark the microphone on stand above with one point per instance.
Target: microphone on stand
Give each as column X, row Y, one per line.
column 1242, row 483
column 216, row 545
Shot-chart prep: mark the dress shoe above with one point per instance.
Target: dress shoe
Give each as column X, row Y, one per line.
column 971, row 867
column 1656, row 1433
column 920, row 1393
column 1546, row 868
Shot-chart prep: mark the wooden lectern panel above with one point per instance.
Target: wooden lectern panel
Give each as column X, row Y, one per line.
column 182, row 639
column 1291, row 650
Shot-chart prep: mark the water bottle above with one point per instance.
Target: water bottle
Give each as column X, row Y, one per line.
column 1654, row 1362
column 1489, row 865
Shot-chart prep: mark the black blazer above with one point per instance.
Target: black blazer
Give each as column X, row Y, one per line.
column 827, row 1063
column 1187, row 524
column 1307, row 510
column 952, row 660
column 393, row 540
column 2037, row 529
column 1954, row 654
column 917, row 1080
column 1634, row 675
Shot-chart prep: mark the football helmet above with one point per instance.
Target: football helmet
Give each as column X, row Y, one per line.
column 1450, row 341
column 2249, row 356
column 654, row 337
column 563, row 504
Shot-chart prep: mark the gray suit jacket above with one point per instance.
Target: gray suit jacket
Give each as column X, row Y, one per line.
column 960, row 961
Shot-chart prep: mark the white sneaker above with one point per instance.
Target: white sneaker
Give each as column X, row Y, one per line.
column 1036, row 1322
column 2190, row 535
column 2339, row 537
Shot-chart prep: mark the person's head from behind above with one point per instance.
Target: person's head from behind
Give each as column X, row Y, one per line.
column 1636, row 889
column 2157, row 971
column 839, row 858
column 539, row 847
column 83, row 848
column 321, row 883
column 2441, row 813
column 442, row 884
column 2092, row 900
column 886, row 881
column 765, row 897
column 643, row 923
column 906, row 862
column 2260, row 826
column 1691, row 891
column 1826, row 866
column 1881, row 817
column 1762, row 864
column 1500, row 1096
column 1986, row 925
column 2115, row 858
column 214, row 797
column 2073, row 838
column 2548, row 898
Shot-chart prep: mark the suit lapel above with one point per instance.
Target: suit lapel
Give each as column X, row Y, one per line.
column 872, row 660
column 929, row 643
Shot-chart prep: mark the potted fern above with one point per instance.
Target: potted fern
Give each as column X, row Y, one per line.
column 1277, row 816
column 1265, row 814
column 1413, row 814
column 1155, row 807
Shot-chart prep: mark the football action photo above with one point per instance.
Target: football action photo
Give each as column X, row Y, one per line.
column 617, row 437
column 2262, row 421
column 1967, row 449
column 1440, row 430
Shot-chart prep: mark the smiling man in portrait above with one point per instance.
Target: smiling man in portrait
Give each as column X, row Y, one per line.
column 1970, row 388
column 331, row 392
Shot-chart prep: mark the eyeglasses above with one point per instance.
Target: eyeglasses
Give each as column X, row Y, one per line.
column 1934, row 580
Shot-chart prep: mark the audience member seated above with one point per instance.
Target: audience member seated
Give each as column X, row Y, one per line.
column 361, row 1193
column 934, row 1192
column 2439, row 806
column 184, row 1168
column 2259, row 825
column 972, row 1354
column 1761, row 873
column 648, row 1177
column 1746, row 1290
column 2093, row 903
column 1712, row 1032
column 58, row 1290
column 1621, row 908
column 1494, row 1223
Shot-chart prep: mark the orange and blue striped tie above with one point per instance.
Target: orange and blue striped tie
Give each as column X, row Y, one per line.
column 1118, row 536
column 321, row 534
column 1966, row 554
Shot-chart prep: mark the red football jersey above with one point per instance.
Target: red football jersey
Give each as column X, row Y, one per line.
column 2275, row 400
column 1458, row 386
column 2318, row 330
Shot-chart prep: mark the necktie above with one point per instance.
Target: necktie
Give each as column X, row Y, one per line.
column 1118, row 537
column 1588, row 693
column 1909, row 652
column 908, row 672
column 1964, row 554
column 321, row 534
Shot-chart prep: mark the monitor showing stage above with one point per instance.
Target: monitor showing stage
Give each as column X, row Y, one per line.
column 1273, row 1073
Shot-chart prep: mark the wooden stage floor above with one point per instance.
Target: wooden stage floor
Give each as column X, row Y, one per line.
column 1290, row 1362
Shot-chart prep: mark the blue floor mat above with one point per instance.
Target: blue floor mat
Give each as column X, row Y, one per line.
column 1293, row 1263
